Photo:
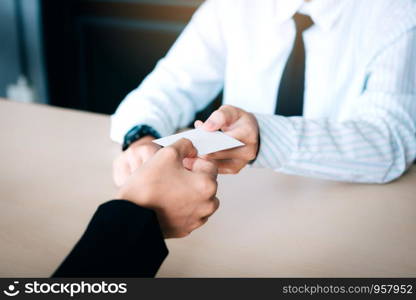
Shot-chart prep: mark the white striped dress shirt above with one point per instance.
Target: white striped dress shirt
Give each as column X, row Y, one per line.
column 359, row 121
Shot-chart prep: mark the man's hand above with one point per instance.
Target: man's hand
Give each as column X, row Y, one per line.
column 183, row 198
column 130, row 160
column 242, row 126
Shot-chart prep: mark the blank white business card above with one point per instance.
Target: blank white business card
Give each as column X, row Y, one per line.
column 204, row 141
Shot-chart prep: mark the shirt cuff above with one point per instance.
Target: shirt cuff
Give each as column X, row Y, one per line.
column 275, row 150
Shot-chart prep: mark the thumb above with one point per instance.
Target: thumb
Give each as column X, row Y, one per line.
column 223, row 117
column 184, row 149
column 215, row 121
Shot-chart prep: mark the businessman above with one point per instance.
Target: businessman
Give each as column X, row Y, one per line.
column 169, row 196
column 322, row 88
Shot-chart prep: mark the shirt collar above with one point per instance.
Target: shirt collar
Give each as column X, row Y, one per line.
column 285, row 9
column 324, row 13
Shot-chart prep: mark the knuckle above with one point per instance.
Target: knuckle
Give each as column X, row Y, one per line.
column 219, row 115
column 232, row 170
column 250, row 155
column 239, row 166
column 208, row 186
column 227, row 107
column 212, row 167
column 146, row 147
column 213, row 187
column 183, row 234
column 186, row 142
column 215, row 206
column 251, row 137
column 188, row 146
column 201, row 223
column 210, row 210
column 134, row 153
column 170, row 152
column 176, row 233
column 148, row 150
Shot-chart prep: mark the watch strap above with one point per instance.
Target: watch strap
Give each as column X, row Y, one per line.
column 136, row 133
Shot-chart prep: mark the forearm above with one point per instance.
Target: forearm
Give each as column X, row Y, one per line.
column 374, row 140
column 354, row 151
column 122, row 240
column 184, row 82
column 158, row 103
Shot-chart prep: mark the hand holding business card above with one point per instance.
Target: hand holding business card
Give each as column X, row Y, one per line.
column 229, row 138
column 204, row 141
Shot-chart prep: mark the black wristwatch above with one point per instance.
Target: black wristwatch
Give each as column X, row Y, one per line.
column 136, row 133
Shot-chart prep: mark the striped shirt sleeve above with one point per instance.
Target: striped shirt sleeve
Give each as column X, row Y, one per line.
column 182, row 83
column 375, row 145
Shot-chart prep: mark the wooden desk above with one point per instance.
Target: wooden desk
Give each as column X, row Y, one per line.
column 56, row 168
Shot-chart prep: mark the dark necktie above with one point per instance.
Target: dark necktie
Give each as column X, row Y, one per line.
column 292, row 84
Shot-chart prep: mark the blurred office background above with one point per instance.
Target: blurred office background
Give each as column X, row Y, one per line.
column 84, row 54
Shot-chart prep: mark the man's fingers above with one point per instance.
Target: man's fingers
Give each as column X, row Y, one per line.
column 133, row 162
column 247, row 153
column 188, row 163
column 204, row 166
column 223, row 117
column 232, row 113
column 225, row 154
column 230, row 166
column 121, row 171
column 198, row 224
column 206, row 211
column 210, row 208
column 182, row 149
column 146, row 156
column 215, row 121
column 140, row 154
column 198, row 123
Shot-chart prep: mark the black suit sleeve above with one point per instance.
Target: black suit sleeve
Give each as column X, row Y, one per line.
column 122, row 240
